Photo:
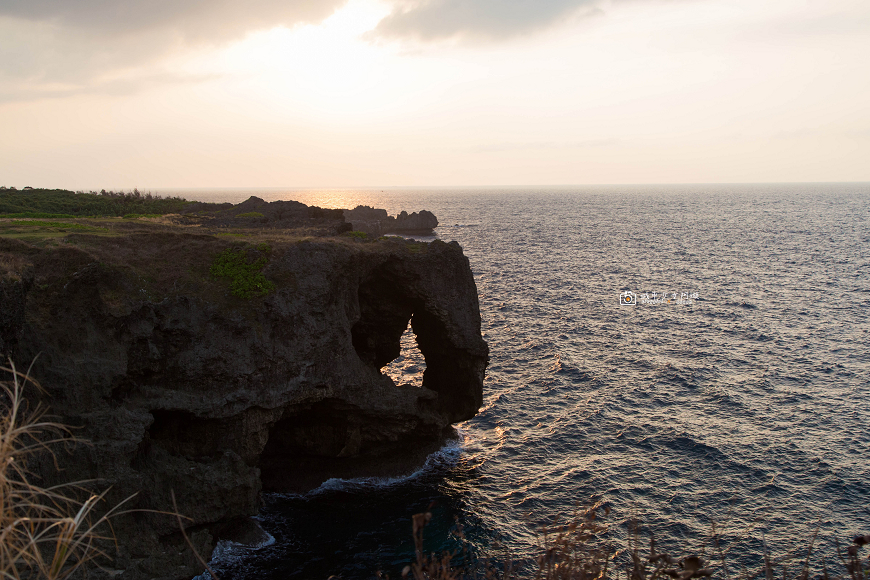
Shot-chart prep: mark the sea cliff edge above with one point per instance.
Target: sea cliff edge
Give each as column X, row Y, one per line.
column 181, row 386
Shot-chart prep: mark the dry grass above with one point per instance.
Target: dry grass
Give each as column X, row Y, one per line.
column 45, row 532
column 581, row 550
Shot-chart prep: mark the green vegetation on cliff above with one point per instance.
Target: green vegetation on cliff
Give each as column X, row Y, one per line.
column 56, row 203
column 243, row 267
column 58, row 225
column 40, row 231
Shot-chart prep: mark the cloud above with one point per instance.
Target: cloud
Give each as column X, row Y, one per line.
column 484, row 19
column 51, row 48
column 206, row 20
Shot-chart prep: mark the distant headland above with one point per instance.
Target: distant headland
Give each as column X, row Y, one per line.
column 254, row 212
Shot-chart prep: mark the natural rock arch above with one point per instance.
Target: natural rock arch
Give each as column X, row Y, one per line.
column 388, row 300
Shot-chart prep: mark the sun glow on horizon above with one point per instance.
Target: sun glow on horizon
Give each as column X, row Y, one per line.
column 645, row 92
column 326, row 70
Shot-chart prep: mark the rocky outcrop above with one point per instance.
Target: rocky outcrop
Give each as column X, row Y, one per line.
column 182, row 387
column 258, row 213
column 376, row 222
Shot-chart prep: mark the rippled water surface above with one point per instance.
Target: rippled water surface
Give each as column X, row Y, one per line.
column 747, row 408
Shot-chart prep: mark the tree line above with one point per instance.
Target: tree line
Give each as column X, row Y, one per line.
column 91, row 203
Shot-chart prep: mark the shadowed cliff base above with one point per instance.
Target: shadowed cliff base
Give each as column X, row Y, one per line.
column 183, row 385
column 286, row 471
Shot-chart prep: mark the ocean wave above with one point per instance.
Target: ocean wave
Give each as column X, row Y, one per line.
column 227, row 553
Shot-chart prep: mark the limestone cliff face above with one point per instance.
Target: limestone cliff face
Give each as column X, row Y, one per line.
column 16, row 277
column 180, row 386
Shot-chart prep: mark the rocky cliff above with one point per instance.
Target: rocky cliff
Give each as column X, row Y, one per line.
column 376, row 222
column 255, row 212
column 179, row 385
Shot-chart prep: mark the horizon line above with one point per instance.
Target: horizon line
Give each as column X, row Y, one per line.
column 460, row 186
column 486, row 186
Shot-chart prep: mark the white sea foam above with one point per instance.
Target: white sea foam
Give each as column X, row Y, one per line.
column 227, row 553
column 447, row 455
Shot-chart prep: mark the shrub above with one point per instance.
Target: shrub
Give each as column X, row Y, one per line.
column 250, row 214
column 59, row 201
column 245, row 276
column 357, row 235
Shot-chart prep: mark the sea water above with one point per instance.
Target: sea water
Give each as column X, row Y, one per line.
column 730, row 391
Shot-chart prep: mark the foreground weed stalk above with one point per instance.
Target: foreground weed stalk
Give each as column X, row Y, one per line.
column 44, row 531
column 580, row 549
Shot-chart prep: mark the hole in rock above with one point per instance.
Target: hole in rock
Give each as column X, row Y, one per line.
column 387, row 301
column 408, row 367
column 386, row 335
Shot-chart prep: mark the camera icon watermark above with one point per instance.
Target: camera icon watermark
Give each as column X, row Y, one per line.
column 627, row 298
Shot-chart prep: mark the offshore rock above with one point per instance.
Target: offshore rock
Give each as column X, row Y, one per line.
column 181, row 386
column 376, row 222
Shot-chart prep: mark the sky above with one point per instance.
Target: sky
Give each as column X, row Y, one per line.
column 365, row 93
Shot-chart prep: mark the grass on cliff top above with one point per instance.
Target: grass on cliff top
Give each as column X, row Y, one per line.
column 43, row 228
column 143, row 260
column 37, row 230
column 51, row 225
column 37, row 215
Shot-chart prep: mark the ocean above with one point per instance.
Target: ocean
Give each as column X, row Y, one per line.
column 729, row 392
